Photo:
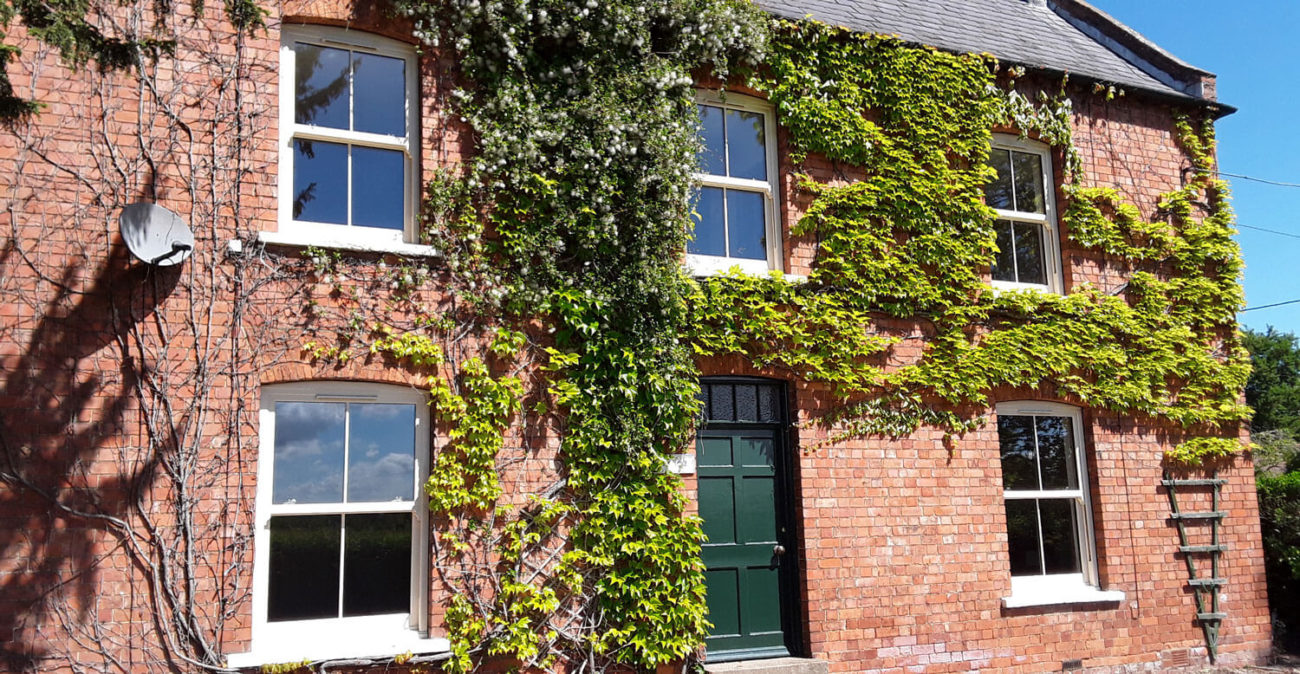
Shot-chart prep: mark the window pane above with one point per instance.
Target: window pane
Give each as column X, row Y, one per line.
column 381, row 452
column 712, row 155
column 1060, row 536
column 1029, row 181
column 320, row 182
column 746, row 225
column 1016, row 437
column 723, row 406
column 377, row 564
column 710, row 224
column 1022, row 538
column 767, row 404
column 379, row 94
column 1029, row 253
column 1056, row 453
column 320, row 86
column 998, row 193
column 304, row 579
column 746, row 145
column 1004, row 266
column 308, row 464
column 746, row 402
column 377, row 180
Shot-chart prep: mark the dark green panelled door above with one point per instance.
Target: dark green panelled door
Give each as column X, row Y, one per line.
column 739, row 498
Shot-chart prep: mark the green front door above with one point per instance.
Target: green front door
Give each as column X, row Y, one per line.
column 739, row 497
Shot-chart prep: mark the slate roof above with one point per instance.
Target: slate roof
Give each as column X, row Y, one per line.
column 1059, row 35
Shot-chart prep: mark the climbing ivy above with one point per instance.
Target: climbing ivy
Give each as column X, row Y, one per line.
column 564, row 232
column 568, row 224
column 911, row 238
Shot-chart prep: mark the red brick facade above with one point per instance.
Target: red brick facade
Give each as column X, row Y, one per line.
column 113, row 376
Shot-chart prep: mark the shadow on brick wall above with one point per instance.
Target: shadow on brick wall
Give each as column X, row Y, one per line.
column 68, row 384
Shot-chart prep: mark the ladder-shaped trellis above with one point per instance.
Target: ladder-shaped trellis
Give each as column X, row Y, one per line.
column 1205, row 589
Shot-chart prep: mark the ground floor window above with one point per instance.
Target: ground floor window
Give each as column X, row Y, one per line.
column 1045, row 491
column 341, row 527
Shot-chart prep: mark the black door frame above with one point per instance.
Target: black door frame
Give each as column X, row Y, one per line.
column 793, row 614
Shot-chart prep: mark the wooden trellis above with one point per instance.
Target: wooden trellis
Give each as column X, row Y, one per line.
column 1206, row 589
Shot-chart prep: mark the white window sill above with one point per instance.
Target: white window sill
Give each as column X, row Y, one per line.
column 1011, row 287
column 702, row 266
column 1049, row 591
column 709, row 265
column 316, row 650
column 378, row 246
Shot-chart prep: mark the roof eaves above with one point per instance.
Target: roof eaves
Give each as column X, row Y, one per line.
column 1216, row 109
column 1137, row 49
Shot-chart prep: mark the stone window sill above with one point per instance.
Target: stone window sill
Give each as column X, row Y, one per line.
column 378, row 246
column 1060, row 595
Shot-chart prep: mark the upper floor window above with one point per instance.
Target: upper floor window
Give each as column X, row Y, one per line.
column 1022, row 193
column 736, row 222
column 347, row 120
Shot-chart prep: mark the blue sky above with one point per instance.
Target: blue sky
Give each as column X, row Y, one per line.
column 1253, row 48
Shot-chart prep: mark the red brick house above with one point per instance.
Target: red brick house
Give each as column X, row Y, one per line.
column 163, row 425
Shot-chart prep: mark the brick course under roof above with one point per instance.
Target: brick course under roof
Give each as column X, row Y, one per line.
column 1028, row 32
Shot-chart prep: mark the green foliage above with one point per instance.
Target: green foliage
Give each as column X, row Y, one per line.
column 1279, row 514
column 69, row 27
column 419, row 349
column 464, row 472
column 286, row 667
column 910, row 241
column 1202, row 451
column 573, row 215
column 1273, row 390
column 1274, row 451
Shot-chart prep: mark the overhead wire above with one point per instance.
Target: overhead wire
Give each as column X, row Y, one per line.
column 1270, row 306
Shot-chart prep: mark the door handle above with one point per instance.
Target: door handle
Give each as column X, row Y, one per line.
column 778, row 550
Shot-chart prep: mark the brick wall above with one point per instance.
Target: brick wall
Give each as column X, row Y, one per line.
column 903, row 562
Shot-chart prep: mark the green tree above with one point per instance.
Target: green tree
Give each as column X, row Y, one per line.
column 1274, row 385
column 77, row 29
column 1279, row 514
column 1274, row 391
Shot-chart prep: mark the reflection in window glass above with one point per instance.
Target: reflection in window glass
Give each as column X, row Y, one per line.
column 379, row 96
column 320, row 182
column 1029, row 181
column 376, row 564
column 1029, row 253
column 1004, row 262
column 998, row 192
column 1019, row 463
column 304, row 576
column 712, row 157
column 321, row 86
column 308, row 453
column 1018, row 185
column 1060, row 536
column 710, row 224
column 346, row 182
column 746, row 153
column 328, row 564
column 1021, row 254
column 378, row 178
column 381, row 452
column 1056, row 452
column 1022, row 538
column 1039, row 457
column 745, row 225
column 731, row 218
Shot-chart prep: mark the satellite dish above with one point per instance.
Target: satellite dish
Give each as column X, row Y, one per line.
column 156, row 235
